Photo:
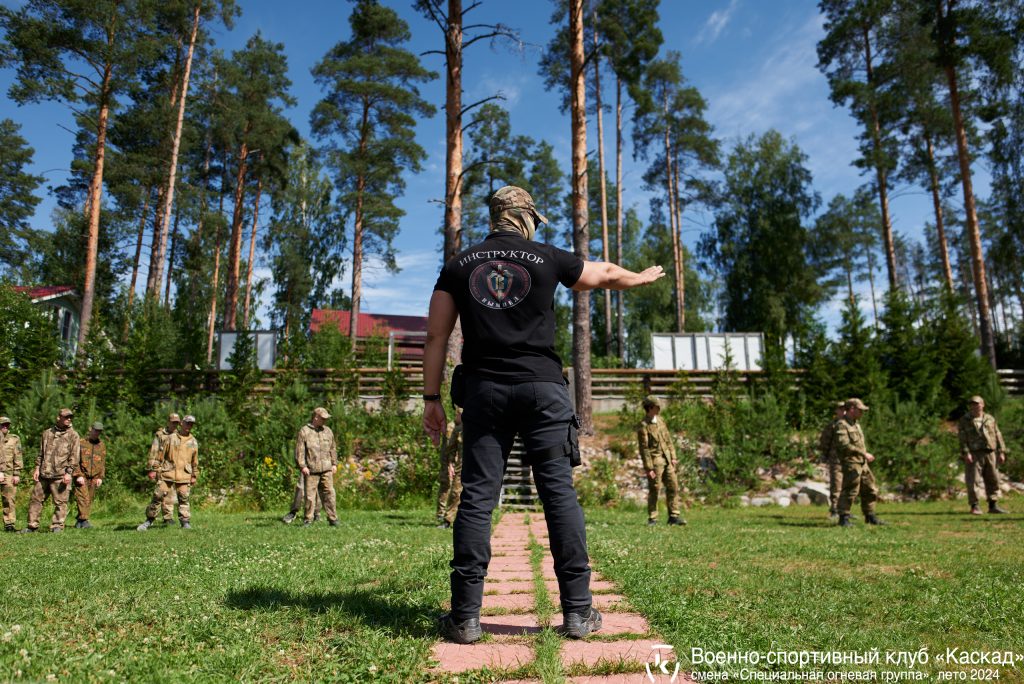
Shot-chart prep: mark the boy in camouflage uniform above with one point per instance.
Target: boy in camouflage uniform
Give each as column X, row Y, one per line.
column 316, row 454
column 160, row 439
column 178, row 468
column 857, row 475
column 10, row 471
column 58, row 457
column 450, row 476
column 827, row 449
column 89, row 473
column 658, row 453
column 982, row 448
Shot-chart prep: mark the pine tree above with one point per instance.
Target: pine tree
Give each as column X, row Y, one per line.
column 17, row 200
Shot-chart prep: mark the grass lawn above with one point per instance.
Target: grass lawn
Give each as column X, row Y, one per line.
column 244, row 598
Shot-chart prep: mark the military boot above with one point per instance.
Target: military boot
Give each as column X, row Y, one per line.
column 287, row 520
column 845, row 521
column 86, row 525
column 676, row 520
column 466, row 632
column 993, row 507
column 185, row 525
column 9, row 528
column 146, row 525
column 975, row 510
column 652, row 522
column 28, row 530
column 873, row 519
column 443, row 525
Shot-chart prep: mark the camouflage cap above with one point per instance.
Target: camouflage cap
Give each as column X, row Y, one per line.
column 854, row 402
column 4, row 420
column 97, row 426
column 189, row 419
column 976, row 400
column 322, row 412
column 174, row 418
column 650, row 401
column 512, row 197
column 840, row 404
column 65, row 412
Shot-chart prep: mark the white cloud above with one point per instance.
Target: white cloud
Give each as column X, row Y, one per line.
column 715, row 24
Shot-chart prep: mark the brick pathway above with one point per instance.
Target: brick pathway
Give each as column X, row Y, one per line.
column 510, row 621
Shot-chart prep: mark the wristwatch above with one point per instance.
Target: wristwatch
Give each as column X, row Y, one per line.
column 431, row 397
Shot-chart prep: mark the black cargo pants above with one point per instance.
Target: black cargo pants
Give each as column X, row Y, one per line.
column 494, row 412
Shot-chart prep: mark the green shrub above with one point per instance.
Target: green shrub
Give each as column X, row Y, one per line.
column 914, row 452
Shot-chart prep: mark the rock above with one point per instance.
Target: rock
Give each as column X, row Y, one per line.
column 744, row 501
column 779, row 493
column 783, row 501
column 802, row 499
column 1004, row 488
column 816, row 491
column 761, row 501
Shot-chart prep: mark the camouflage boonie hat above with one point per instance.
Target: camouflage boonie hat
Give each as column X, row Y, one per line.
column 189, row 419
column 976, row 400
column 4, row 420
column 97, row 426
column 174, row 418
column 322, row 412
column 511, row 197
column 650, row 401
column 65, row 412
column 856, row 403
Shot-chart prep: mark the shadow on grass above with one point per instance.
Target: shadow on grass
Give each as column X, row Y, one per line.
column 378, row 609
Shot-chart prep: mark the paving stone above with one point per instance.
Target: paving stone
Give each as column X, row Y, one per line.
column 629, row 679
column 499, row 576
column 523, row 587
column 590, row 653
column 510, row 625
column 613, row 624
column 514, row 602
column 610, row 602
column 496, row 656
column 501, row 565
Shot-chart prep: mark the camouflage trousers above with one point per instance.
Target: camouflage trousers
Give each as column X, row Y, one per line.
column 84, row 494
column 164, row 492
column 45, row 488
column 835, row 483
column 321, row 484
column 299, row 498
column 985, row 462
column 858, row 479
column 664, row 473
column 8, row 492
column 449, row 492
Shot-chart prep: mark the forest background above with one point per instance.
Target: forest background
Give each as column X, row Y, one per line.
column 203, row 193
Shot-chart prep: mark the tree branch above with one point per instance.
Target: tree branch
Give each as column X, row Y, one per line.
column 498, row 96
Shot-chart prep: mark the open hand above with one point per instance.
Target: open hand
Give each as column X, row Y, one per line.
column 869, row 457
column 80, row 481
column 98, row 481
column 152, row 475
column 35, row 475
column 66, row 479
column 649, row 275
column 15, row 479
column 305, row 471
column 434, row 420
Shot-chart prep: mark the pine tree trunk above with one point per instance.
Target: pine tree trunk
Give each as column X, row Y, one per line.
column 604, row 192
column 880, row 172
column 215, row 280
column 581, row 229
column 357, row 266
column 988, row 345
column 620, row 317
column 235, row 248
column 676, row 271
column 940, row 227
column 172, row 173
column 252, row 254
column 453, row 132
column 871, row 282
column 679, row 243
column 170, row 258
column 138, row 249
column 95, row 197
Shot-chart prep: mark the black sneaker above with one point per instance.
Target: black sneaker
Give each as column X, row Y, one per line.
column 333, row 523
column 56, row 530
column 466, row 632
column 84, row 524
column 9, row 528
column 78, row 524
column 146, row 525
column 307, row 523
column 577, row 625
column 993, row 507
column 652, row 522
column 873, row 520
column 844, row 521
column 443, row 525
column 28, row 530
column 676, row 520
column 287, row 520
column 185, row 525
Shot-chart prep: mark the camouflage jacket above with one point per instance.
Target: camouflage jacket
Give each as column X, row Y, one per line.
column 179, row 461
column 10, row 454
column 58, row 452
column 986, row 439
column 156, row 449
column 315, row 449
column 849, row 441
column 92, row 461
column 827, row 441
column 655, row 442
column 451, row 449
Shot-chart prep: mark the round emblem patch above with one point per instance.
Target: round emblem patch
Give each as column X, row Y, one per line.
column 499, row 284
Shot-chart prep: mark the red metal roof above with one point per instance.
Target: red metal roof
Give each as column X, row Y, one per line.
column 44, row 291
column 368, row 323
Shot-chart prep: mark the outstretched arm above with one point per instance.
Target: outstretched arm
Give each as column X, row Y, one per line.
column 609, row 276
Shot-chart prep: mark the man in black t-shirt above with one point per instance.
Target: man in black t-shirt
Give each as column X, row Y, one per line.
column 503, row 291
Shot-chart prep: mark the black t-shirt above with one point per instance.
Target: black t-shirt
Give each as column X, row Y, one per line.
column 504, row 289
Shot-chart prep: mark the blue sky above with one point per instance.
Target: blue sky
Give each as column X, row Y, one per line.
column 754, row 62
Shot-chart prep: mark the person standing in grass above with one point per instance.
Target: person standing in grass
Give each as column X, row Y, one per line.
column 58, row 458
column 11, row 464
column 89, row 473
column 156, row 448
column 658, row 453
column 177, row 468
column 502, row 290
column 316, row 454
column 857, row 475
column 450, row 476
column 827, row 448
column 982, row 449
